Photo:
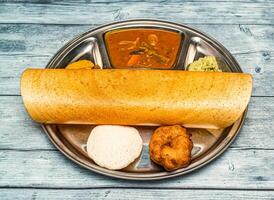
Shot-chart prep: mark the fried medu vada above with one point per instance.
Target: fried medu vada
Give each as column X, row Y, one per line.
column 170, row 147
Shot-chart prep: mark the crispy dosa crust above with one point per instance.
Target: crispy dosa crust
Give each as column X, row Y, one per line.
column 135, row 97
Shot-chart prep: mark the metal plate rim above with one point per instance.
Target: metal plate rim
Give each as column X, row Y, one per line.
column 215, row 156
column 123, row 175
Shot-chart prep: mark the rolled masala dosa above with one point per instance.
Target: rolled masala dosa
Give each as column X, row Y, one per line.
column 135, row 97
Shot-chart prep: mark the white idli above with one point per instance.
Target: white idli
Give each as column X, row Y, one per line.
column 114, row 147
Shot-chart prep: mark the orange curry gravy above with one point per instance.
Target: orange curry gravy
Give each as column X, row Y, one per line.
column 143, row 48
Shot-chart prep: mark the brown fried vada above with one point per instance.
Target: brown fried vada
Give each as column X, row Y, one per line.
column 170, row 147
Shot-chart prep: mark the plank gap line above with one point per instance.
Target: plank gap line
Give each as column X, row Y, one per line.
column 137, row 188
column 104, row 23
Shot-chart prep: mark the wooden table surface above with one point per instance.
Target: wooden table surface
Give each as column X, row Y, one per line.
column 32, row 168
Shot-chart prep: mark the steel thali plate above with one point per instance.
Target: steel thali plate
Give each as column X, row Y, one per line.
column 208, row 144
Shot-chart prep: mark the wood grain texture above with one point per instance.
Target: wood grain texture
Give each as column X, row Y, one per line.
column 45, row 40
column 31, row 31
column 34, row 45
column 181, row 11
column 15, row 123
column 148, row 194
column 235, row 169
column 106, row 2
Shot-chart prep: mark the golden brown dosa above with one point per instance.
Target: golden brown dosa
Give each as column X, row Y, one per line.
column 135, row 97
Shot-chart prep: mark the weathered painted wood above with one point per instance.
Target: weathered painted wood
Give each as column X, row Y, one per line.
column 68, row 2
column 32, row 45
column 147, row 194
column 235, row 169
column 18, row 131
column 33, row 39
column 34, row 162
column 180, row 11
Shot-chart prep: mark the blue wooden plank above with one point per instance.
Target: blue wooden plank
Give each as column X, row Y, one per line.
column 106, row 2
column 33, row 45
column 235, row 169
column 44, row 40
column 147, row 194
column 223, row 12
